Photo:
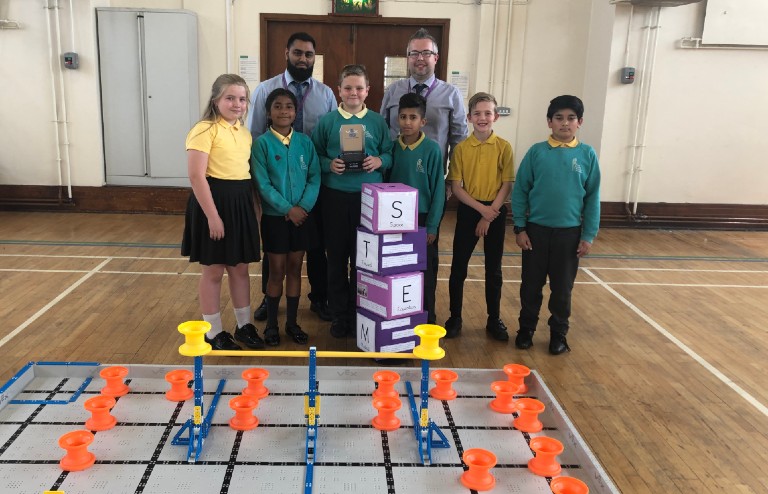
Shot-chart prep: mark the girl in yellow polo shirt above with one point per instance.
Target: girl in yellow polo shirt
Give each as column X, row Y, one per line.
column 220, row 227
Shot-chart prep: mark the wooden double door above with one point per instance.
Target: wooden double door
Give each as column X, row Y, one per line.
column 343, row 40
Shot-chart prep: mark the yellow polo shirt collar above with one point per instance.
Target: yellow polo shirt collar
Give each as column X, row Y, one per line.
column 347, row 115
column 557, row 144
column 280, row 137
column 474, row 141
column 410, row 146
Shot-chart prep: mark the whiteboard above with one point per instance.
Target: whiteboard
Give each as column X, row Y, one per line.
column 736, row 22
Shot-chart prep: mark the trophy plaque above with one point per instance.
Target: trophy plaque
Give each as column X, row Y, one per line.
column 352, row 147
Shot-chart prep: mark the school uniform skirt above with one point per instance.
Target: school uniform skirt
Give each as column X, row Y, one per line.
column 241, row 244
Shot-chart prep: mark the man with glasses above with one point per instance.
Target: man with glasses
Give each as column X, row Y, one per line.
column 315, row 99
column 446, row 116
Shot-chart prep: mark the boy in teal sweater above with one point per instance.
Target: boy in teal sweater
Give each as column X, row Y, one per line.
column 556, row 207
column 341, row 190
column 417, row 161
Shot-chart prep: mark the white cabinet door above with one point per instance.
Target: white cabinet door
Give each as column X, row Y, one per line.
column 148, row 68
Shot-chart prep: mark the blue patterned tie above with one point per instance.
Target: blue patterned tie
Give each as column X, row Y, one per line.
column 298, row 124
column 418, row 88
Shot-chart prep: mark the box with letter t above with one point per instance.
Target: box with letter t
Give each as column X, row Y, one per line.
column 391, row 255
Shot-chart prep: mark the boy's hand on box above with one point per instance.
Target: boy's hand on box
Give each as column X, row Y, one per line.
column 371, row 163
column 337, row 166
column 584, row 248
column 431, row 238
column 523, row 241
column 481, row 230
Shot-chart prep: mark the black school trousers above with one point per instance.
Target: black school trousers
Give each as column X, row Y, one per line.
column 464, row 241
column 553, row 256
column 341, row 217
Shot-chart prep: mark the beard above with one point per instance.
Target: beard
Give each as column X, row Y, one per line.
column 298, row 73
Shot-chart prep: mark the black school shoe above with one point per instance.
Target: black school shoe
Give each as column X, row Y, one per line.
column 558, row 344
column 524, row 339
column 496, row 329
column 222, row 341
column 295, row 332
column 272, row 335
column 248, row 336
column 453, row 327
column 339, row 328
column 321, row 309
column 260, row 314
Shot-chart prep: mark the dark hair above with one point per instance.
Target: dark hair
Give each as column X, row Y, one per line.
column 301, row 36
column 413, row 100
column 271, row 97
column 422, row 34
column 354, row 69
column 478, row 97
column 565, row 102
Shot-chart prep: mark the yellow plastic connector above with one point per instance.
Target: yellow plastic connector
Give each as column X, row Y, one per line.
column 194, row 338
column 198, row 415
column 424, row 419
column 429, row 343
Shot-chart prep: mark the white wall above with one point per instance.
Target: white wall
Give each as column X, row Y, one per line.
column 704, row 134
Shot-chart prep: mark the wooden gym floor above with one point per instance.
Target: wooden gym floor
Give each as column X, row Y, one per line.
column 664, row 381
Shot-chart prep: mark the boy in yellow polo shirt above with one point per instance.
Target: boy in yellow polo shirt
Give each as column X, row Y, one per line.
column 481, row 175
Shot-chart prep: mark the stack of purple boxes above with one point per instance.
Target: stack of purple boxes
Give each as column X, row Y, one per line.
column 391, row 255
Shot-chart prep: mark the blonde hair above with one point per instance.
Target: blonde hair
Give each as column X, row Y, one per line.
column 219, row 86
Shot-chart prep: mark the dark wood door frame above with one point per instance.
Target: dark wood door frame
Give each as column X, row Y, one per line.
column 441, row 69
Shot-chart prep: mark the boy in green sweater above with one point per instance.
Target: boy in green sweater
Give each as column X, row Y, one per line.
column 341, row 190
column 556, row 207
column 417, row 161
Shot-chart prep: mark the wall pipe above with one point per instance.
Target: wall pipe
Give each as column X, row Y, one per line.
column 492, row 78
column 51, row 54
column 62, row 93
column 655, row 28
column 638, row 117
column 228, row 16
column 507, row 49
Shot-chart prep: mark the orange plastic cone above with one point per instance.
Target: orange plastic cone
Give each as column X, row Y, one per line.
column 478, row 477
column 544, row 464
column 115, row 386
column 179, row 379
column 101, row 419
column 78, row 457
column 444, row 380
column 568, row 485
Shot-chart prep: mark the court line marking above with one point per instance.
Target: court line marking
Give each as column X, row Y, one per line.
column 258, row 275
column 442, row 252
column 510, row 266
column 50, row 304
column 685, row 348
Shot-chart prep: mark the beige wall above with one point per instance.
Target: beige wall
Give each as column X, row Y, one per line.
column 703, row 133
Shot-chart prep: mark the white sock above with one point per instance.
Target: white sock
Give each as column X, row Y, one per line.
column 243, row 316
column 215, row 320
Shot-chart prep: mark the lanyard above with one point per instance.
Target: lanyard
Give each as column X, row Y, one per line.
column 429, row 90
column 303, row 98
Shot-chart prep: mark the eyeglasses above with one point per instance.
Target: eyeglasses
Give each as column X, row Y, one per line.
column 424, row 54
